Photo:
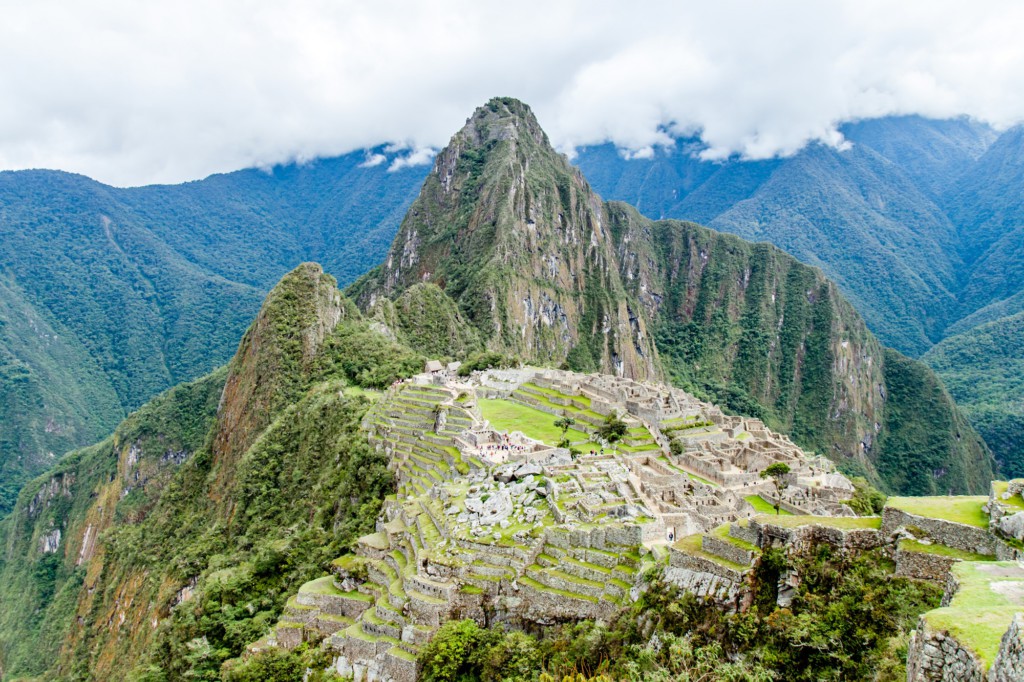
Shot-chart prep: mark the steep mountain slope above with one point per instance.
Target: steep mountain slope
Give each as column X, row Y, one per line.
column 542, row 269
column 854, row 215
column 129, row 291
column 53, row 395
column 933, row 153
column 167, row 548
column 984, row 370
column 513, row 233
column 988, row 209
column 869, row 216
column 175, row 541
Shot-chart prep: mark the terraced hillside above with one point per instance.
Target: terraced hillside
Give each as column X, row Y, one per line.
column 512, row 506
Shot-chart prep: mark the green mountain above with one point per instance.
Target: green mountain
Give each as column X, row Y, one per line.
column 870, row 216
column 235, row 488
column 167, row 548
column 984, row 370
column 109, row 296
column 535, row 265
column 988, row 209
column 512, row 233
column 920, row 223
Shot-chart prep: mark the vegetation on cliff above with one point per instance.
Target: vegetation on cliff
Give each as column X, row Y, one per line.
column 183, row 534
column 849, row 620
column 110, row 295
column 984, row 370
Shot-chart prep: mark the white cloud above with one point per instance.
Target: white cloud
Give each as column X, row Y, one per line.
column 417, row 157
column 373, row 160
column 132, row 92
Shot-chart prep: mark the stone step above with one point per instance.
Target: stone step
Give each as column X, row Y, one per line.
column 289, row 635
column 558, row 580
column 532, row 583
column 437, row 590
column 327, row 624
column 389, row 613
column 491, row 570
column 584, row 569
column 297, row 612
column 378, row 627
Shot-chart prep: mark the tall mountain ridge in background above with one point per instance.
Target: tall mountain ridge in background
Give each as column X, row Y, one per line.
column 169, row 546
column 918, row 221
column 109, row 296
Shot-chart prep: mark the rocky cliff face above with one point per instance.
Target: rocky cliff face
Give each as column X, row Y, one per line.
column 513, row 233
column 750, row 324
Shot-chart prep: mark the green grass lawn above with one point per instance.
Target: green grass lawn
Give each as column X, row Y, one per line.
column 323, row 585
column 691, row 544
column 1016, row 501
column 964, row 509
column 506, row 415
column 763, row 506
column 980, row 612
column 843, row 522
column 942, row 550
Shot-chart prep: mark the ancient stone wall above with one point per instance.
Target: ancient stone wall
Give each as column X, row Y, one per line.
column 923, row 566
column 937, row 657
column 727, row 550
column 1009, row 662
column 949, row 533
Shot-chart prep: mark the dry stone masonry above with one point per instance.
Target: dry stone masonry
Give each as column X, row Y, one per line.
column 504, row 527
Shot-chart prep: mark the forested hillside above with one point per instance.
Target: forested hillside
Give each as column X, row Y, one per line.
column 920, row 222
column 163, row 550
column 109, row 296
column 984, row 370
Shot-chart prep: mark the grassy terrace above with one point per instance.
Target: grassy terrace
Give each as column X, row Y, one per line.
column 942, row 550
column 581, row 399
column 964, row 509
column 691, row 545
column 842, row 522
column 665, row 460
column 722, row 533
column 323, row 585
column 763, row 506
column 506, row 415
column 540, row 587
column 990, row 593
column 1016, row 501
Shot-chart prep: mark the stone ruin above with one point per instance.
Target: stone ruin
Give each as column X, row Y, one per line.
column 504, row 528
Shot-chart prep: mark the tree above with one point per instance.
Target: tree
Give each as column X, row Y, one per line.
column 777, row 472
column 565, row 423
column 613, row 429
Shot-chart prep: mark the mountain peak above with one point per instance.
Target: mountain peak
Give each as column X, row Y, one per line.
column 502, row 118
column 513, row 234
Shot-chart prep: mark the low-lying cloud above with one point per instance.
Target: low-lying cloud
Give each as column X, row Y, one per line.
column 133, row 93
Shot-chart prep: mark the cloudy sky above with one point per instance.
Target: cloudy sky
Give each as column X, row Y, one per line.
column 135, row 92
